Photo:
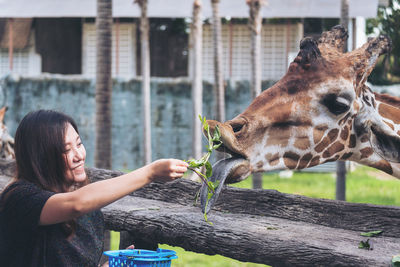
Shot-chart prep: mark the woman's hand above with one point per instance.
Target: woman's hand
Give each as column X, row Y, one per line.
column 165, row 170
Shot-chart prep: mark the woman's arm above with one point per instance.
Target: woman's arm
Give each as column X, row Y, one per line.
column 66, row 206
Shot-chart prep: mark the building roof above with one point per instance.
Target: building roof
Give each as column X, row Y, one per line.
column 183, row 8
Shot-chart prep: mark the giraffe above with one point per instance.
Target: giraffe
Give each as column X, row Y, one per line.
column 6, row 140
column 320, row 111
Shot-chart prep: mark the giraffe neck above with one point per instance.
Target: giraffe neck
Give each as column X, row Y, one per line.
column 389, row 108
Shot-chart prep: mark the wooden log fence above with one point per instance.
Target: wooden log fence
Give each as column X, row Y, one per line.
column 260, row 226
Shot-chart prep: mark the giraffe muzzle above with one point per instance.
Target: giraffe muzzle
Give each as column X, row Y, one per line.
column 230, row 143
column 386, row 145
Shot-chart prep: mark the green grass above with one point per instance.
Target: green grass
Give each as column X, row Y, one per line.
column 364, row 185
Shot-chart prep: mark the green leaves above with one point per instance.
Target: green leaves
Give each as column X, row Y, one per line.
column 396, row 261
column 364, row 245
column 214, row 142
column 372, row 233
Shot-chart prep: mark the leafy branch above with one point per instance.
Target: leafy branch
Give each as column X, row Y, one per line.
column 214, row 142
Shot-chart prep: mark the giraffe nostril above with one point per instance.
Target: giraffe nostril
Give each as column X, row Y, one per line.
column 237, row 124
column 237, row 127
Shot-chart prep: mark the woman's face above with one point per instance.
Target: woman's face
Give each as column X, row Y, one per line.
column 75, row 155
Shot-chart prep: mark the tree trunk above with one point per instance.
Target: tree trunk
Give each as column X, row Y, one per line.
column 341, row 165
column 104, row 92
column 103, row 84
column 255, row 25
column 145, row 69
column 344, row 18
column 197, row 85
column 219, row 87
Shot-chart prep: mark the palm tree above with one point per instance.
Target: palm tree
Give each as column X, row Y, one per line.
column 103, row 84
column 344, row 18
column 341, row 165
column 197, row 86
column 255, row 25
column 103, row 90
column 145, row 69
column 218, row 71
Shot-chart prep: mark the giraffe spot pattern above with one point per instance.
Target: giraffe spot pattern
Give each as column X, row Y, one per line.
column 366, row 152
column 291, row 159
column 272, row 159
column 283, row 137
column 333, row 149
column 318, row 132
column 314, row 161
column 350, row 125
column 322, row 145
column 346, row 155
column 353, row 141
column 389, row 112
column 390, row 125
column 333, row 159
column 304, row 161
column 342, row 121
column 302, row 143
column 333, row 134
column 364, row 138
column 344, row 134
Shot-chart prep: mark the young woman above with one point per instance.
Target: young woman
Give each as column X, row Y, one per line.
column 50, row 213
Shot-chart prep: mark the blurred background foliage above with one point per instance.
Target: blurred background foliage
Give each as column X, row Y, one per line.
column 387, row 70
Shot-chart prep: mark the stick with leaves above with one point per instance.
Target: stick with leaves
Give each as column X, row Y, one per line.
column 214, row 142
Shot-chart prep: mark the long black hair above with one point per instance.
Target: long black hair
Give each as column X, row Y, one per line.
column 39, row 149
column 39, row 154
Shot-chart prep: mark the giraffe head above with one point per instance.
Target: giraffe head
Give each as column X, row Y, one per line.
column 320, row 111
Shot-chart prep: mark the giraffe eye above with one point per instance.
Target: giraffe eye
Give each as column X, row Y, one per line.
column 336, row 104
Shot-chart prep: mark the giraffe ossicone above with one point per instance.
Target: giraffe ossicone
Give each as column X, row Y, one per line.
column 320, row 111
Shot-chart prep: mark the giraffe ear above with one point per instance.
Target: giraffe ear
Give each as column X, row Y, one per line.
column 365, row 57
column 309, row 52
column 385, row 144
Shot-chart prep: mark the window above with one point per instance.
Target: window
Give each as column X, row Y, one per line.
column 59, row 41
column 168, row 47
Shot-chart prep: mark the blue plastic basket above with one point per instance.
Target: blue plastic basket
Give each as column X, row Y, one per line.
column 140, row 257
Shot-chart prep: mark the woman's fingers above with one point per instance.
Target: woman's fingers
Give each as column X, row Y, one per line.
column 179, row 169
column 168, row 169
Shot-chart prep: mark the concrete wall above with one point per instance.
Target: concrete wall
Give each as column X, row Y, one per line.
column 171, row 111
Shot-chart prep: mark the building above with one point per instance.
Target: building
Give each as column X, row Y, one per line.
column 57, row 36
